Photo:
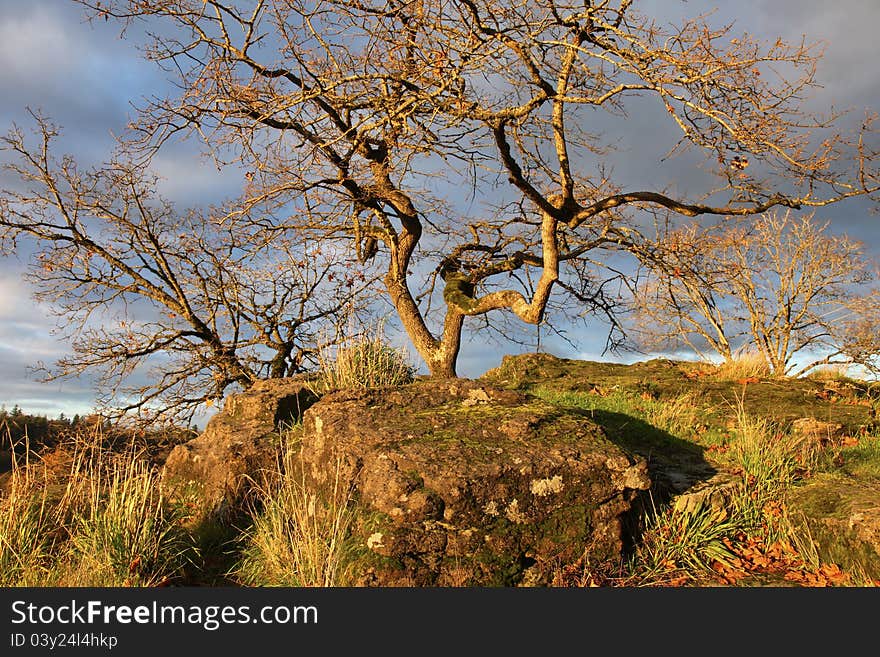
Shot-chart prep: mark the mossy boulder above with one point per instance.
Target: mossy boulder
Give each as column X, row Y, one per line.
column 849, row 404
column 843, row 517
column 467, row 484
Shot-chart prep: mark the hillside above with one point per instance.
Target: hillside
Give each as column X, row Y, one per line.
column 750, row 481
column 686, row 418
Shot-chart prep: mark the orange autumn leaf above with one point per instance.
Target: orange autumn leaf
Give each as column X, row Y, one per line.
column 833, row 573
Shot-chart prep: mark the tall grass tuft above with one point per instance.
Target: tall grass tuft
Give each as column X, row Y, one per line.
column 89, row 516
column 122, row 531
column 27, row 528
column 679, row 416
column 767, row 456
column 680, row 543
column 299, row 537
column 830, row 372
column 744, row 364
column 364, row 361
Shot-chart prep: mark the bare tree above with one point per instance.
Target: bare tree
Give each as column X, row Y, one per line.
column 380, row 116
column 782, row 285
column 172, row 308
column 861, row 333
column 682, row 300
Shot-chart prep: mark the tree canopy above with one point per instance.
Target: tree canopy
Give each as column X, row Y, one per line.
column 376, row 116
column 169, row 307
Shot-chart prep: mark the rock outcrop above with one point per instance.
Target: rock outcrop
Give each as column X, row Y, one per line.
column 238, row 443
column 843, row 518
column 462, row 483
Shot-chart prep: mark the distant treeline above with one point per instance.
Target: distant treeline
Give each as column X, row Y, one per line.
column 16, row 426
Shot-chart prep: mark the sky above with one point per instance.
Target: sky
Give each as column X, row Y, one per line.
column 85, row 77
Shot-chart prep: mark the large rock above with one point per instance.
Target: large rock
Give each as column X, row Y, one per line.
column 843, row 518
column 466, row 484
column 217, row 467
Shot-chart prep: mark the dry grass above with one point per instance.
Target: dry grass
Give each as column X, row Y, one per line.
column 830, row 372
column 364, row 361
column 681, row 543
column 27, row 523
column 745, row 364
column 298, row 537
column 122, row 533
column 90, row 517
column 767, row 456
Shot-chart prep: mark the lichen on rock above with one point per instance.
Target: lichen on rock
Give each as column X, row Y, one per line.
column 468, row 500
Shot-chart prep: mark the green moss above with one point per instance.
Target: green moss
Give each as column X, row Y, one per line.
column 548, row 425
column 459, row 291
column 825, row 508
column 663, row 380
column 861, row 460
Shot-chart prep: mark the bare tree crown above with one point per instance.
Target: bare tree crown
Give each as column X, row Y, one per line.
column 171, row 308
column 782, row 286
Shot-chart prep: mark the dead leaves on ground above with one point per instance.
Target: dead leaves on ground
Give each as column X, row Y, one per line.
column 697, row 374
column 825, row 575
column 754, row 558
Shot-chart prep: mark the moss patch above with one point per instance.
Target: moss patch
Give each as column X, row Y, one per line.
column 836, row 510
column 851, row 404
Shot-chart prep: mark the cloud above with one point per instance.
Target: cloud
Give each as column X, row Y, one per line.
column 191, row 179
column 25, row 342
column 35, row 45
column 50, row 399
column 81, row 75
column 15, row 302
column 848, row 29
column 24, row 324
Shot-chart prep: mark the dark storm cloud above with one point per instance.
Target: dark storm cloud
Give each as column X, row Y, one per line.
column 847, row 76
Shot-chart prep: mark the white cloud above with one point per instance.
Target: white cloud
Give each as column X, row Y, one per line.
column 25, row 342
column 38, row 45
column 16, row 303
